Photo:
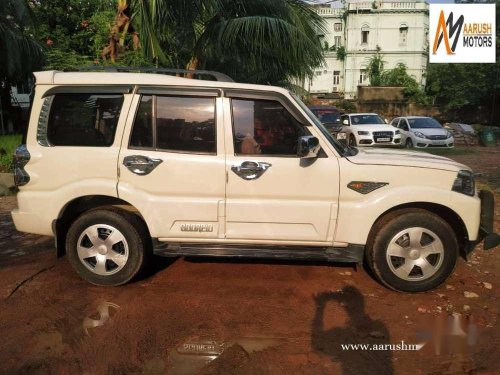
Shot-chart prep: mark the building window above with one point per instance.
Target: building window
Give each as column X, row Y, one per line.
column 337, row 41
column 364, row 36
column 362, row 76
column 403, row 34
column 336, row 77
column 337, row 26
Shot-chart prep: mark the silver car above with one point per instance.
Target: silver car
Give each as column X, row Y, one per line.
column 422, row 132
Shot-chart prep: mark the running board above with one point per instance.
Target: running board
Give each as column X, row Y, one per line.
column 349, row 254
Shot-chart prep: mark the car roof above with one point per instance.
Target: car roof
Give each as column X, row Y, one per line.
column 323, row 107
column 362, row 114
column 54, row 77
column 415, row 117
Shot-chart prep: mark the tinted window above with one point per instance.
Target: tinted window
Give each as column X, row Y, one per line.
column 423, row 123
column 366, row 120
column 84, row 119
column 264, row 127
column 142, row 133
column 395, row 122
column 185, row 124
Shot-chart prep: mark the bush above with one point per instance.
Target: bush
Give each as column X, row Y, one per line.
column 8, row 144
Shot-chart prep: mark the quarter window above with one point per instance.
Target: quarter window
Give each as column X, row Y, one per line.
column 264, row 127
column 83, row 119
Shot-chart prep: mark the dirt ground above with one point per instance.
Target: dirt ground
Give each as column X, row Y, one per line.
column 223, row 317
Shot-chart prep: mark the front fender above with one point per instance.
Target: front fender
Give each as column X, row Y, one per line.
column 358, row 213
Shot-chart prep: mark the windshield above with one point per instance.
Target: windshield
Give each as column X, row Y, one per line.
column 424, row 123
column 338, row 146
column 327, row 116
column 366, row 120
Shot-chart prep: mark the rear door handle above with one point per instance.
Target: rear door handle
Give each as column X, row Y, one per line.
column 140, row 164
column 250, row 170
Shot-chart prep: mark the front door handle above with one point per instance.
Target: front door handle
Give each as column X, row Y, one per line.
column 250, row 170
column 140, row 164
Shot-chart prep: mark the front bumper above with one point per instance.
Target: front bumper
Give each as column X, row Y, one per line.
column 486, row 230
column 424, row 143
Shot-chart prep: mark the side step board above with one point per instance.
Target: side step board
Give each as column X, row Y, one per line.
column 349, row 254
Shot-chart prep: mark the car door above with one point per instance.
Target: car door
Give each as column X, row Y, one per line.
column 405, row 130
column 272, row 194
column 172, row 162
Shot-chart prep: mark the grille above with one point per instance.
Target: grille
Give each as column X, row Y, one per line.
column 437, row 137
column 383, row 134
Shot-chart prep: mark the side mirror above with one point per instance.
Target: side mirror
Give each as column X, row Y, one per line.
column 345, row 122
column 308, row 147
column 386, row 121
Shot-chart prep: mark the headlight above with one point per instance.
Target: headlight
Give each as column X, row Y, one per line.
column 420, row 135
column 363, row 132
column 397, row 132
column 448, row 135
column 464, row 183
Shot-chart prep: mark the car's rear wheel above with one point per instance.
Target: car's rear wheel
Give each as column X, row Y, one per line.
column 412, row 250
column 108, row 246
column 352, row 141
column 409, row 143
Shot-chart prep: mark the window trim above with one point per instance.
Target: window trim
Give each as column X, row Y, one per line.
column 258, row 155
column 89, row 89
column 180, row 91
column 269, row 95
column 153, row 115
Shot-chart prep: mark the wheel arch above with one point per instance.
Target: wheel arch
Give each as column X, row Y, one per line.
column 79, row 205
column 444, row 212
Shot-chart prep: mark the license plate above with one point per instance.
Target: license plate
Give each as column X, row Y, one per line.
column 383, row 139
column 341, row 136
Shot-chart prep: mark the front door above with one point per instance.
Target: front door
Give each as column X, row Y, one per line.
column 271, row 194
column 172, row 165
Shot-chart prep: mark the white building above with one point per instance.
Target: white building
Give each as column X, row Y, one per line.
column 398, row 28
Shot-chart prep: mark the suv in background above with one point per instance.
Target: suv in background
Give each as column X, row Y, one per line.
column 118, row 166
column 368, row 129
column 329, row 116
column 421, row 132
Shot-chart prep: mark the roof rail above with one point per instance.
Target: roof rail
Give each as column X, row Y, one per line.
column 215, row 75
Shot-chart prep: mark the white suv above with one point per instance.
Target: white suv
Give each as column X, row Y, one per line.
column 118, row 166
column 368, row 129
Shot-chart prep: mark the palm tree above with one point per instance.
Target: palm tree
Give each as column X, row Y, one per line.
column 252, row 41
column 20, row 54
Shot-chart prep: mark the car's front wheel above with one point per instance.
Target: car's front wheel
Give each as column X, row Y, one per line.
column 412, row 250
column 108, row 246
column 352, row 141
column 409, row 143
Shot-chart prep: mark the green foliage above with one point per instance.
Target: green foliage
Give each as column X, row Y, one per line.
column 58, row 59
column 8, row 144
column 20, row 54
column 375, row 68
column 341, row 53
column 456, row 86
column 400, row 77
column 259, row 41
column 346, row 105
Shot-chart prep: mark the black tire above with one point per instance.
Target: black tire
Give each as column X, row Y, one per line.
column 409, row 143
column 388, row 228
column 136, row 236
column 352, row 141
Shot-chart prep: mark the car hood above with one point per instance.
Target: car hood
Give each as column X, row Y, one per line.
column 375, row 127
column 405, row 158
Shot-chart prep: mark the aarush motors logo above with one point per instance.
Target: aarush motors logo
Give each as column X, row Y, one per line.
column 462, row 33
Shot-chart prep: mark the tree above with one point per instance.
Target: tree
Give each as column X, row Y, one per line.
column 400, row 77
column 20, row 54
column 259, row 41
column 375, row 68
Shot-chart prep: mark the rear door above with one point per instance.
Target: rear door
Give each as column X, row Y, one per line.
column 272, row 194
column 172, row 162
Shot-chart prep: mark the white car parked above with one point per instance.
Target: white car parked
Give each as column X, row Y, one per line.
column 368, row 129
column 120, row 166
column 417, row 131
